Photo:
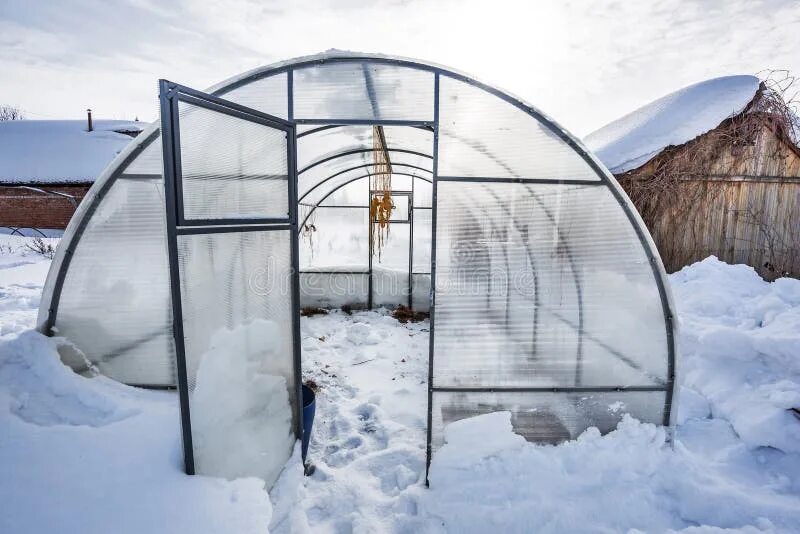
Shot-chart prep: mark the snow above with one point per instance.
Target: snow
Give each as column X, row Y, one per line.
column 90, row 455
column 60, row 151
column 674, row 119
column 238, row 405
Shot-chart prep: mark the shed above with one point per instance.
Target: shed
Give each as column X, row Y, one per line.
column 714, row 169
column 47, row 167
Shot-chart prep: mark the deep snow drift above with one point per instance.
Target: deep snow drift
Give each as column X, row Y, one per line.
column 91, row 455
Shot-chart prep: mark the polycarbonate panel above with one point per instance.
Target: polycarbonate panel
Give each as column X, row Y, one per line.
column 481, row 135
column 329, row 141
column 354, row 194
column 409, row 138
column 268, row 95
column 401, row 207
column 390, row 281
column 421, row 292
column 231, row 168
column 334, row 290
column 335, row 238
column 319, row 193
column 422, row 241
column 149, row 160
column 237, row 326
column 361, row 90
column 543, row 285
column 547, row 417
column 360, row 163
column 115, row 302
column 423, row 193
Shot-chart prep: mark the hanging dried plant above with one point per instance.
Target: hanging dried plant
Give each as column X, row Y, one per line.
column 309, row 228
column 381, row 202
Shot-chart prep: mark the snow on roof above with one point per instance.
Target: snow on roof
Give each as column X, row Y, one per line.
column 60, row 151
column 674, row 119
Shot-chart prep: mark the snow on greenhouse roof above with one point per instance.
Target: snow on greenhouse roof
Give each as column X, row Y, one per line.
column 60, row 151
column 674, row 119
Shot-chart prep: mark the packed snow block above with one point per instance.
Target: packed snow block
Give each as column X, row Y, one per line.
column 240, row 412
column 331, row 289
column 475, row 438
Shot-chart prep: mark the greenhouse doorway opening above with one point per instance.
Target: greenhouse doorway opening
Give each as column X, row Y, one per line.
column 185, row 265
column 365, row 242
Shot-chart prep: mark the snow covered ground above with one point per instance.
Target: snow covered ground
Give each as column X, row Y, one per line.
column 90, row 455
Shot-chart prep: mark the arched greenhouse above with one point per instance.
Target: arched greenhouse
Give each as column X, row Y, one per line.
column 363, row 180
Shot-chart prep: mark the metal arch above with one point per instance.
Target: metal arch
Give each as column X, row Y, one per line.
column 361, row 167
column 332, row 191
column 112, row 172
column 331, row 126
column 350, row 152
column 657, row 267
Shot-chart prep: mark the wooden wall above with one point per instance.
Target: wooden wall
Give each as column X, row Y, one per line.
column 744, row 209
column 739, row 220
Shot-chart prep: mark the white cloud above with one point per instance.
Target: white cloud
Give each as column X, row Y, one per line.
column 583, row 63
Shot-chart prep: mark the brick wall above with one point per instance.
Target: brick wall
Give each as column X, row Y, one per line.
column 30, row 209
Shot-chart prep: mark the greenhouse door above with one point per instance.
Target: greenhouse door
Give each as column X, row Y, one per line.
column 230, row 192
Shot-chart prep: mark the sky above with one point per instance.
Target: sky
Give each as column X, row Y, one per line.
column 583, row 63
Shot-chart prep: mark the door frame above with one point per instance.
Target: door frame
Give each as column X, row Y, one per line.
column 170, row 94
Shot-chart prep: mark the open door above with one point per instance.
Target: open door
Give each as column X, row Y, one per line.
column 230, row 192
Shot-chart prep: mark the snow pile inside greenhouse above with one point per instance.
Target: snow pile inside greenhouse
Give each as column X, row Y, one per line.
column 101, row 457
column 674, row 119
column 52, row 151
column 241, row 419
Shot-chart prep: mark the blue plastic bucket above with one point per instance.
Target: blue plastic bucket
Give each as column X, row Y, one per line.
column 309, row 408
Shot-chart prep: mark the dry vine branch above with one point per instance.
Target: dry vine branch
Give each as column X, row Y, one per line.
column 672, row 186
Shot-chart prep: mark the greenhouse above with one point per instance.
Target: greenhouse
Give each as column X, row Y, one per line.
column 363, row 181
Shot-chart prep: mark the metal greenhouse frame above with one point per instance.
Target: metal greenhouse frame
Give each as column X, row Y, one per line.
column 528, row 201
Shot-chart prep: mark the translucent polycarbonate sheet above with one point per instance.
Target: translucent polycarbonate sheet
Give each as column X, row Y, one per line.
column 353, row 194
column 401, row 205
column 309, row 178
column 115, row 301
column 548, row 417
column 268, row 95
column 393, row 254
column 422, row 241
column 328, row 289
column 149, row 161
column 237, row 326
column 409, row 138
column 361, row 90
column 543, row 285
column 329, row 141
column 327, row 189
column 231, row 168
column 421, row 292
column 482, row 135
column 423, row 193
column 335, row 238
column 390, row 280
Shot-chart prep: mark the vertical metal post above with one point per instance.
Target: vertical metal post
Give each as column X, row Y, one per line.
column 369, row 242
column 435, row 176
column 411, row 246
column 295, row 251
column 169, row 140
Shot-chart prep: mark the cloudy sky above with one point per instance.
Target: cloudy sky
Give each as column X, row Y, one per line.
column 583, row 63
